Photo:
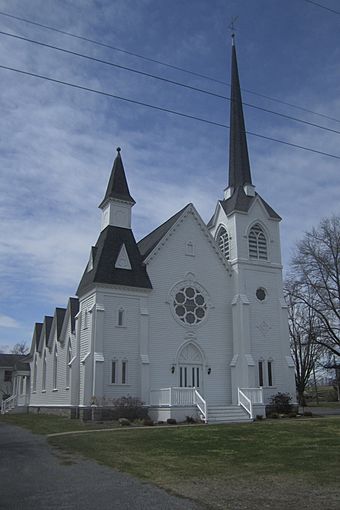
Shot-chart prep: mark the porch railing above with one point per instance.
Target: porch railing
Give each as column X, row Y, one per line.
column 8, row 404
column 176, row 396
column 249, row 396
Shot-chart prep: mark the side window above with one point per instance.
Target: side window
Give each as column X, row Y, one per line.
column 270, row 372
column 114, row 372
column 43, row 384
column 257, row 243
column 121, row 317
column 68, row 361
column 124, row 371
column 223, row 241
column 55, row 368
column 260, row 368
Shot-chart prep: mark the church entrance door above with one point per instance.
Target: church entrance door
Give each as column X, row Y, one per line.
column 190, row 376
column 190, row 367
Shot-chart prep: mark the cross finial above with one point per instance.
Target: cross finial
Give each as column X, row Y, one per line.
column 232, row 28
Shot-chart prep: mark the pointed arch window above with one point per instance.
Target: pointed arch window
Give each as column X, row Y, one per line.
column 223, row 241
column 257, row 243
column 43, row 384
column 55, row 368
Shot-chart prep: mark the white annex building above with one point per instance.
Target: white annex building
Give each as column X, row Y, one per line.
column 191, row 319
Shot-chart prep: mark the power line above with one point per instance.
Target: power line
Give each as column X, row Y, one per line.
column 160, row 78
column 322, row 6
column 166, row 110
column 165, row 64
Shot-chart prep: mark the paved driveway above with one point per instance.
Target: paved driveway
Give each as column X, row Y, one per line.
column 34, row 476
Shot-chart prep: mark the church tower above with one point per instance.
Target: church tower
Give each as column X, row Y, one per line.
column 246, row 230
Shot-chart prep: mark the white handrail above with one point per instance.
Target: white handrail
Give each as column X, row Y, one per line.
column 254, row 394
column 245, row 402
column 8, row 404
column 202, row 405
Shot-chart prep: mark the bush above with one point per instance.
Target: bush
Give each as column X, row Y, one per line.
column 171, row 421
column 308, row 414
column 124, row 422
column 280, row 403
column 147, row 422
column 124, row 407
column 190, row 419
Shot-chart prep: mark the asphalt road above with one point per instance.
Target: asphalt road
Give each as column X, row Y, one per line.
column 34, row 476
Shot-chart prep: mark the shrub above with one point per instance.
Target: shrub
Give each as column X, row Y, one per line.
column 147, row 422
column 273, row 415
column 280, row 403
column 308, row 414
column 124, row 422
column 171, row 421
column 190, row 419
column 124, row 407
column 259, row 417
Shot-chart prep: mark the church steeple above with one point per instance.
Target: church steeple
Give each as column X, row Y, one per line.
column 239, row 167
column 117, row 202
column 117, row 186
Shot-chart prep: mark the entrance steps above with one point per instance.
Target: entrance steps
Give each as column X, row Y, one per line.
column 227, row 414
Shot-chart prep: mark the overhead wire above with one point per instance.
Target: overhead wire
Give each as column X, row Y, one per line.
column 322, row 6
column 167, row 110
column 171, row 66
column 160, row 78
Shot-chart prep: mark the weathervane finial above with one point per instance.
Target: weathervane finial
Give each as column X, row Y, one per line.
column 232, row 28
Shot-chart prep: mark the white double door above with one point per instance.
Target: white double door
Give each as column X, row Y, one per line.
column 190, row 376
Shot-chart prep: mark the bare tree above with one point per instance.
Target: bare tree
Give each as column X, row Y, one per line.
column 20, row 348
column 303, row 330
column 316, row 269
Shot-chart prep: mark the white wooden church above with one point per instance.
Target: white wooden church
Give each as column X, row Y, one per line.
column 191, row 319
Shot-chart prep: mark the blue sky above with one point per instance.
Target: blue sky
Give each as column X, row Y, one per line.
column 57, row 144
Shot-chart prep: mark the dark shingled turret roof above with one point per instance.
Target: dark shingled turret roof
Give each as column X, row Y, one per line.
column 117, row 186
column 149, row 242
column 108, row 247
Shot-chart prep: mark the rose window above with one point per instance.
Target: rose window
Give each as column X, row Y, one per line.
column 190, row 306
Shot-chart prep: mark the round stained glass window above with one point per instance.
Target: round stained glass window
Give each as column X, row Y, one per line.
column 189, row 305
column 261, row 294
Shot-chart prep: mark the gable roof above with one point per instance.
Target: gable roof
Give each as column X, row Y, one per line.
column 117, row 187
column 73, row 306
column 104, row 271
column 36, row 335
column 149, row 242
column 59, row 317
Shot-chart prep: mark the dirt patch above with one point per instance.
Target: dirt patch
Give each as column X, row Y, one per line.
column 261, row 492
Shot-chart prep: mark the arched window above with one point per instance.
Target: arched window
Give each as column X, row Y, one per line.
column 43, row 384
column 68, row 366
column 222, row 239
column 257, row 243
column 55, row 368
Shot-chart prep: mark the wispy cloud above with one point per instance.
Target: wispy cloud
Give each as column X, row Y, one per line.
column 8, row 322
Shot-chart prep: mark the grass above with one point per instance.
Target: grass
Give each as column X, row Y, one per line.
column 332, row 405
column 49, row 424
column 308, row 449
column 272, row 463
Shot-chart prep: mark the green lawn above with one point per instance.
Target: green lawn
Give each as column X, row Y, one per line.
column 49, row 424
column 279, row 464
column 308, row 449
